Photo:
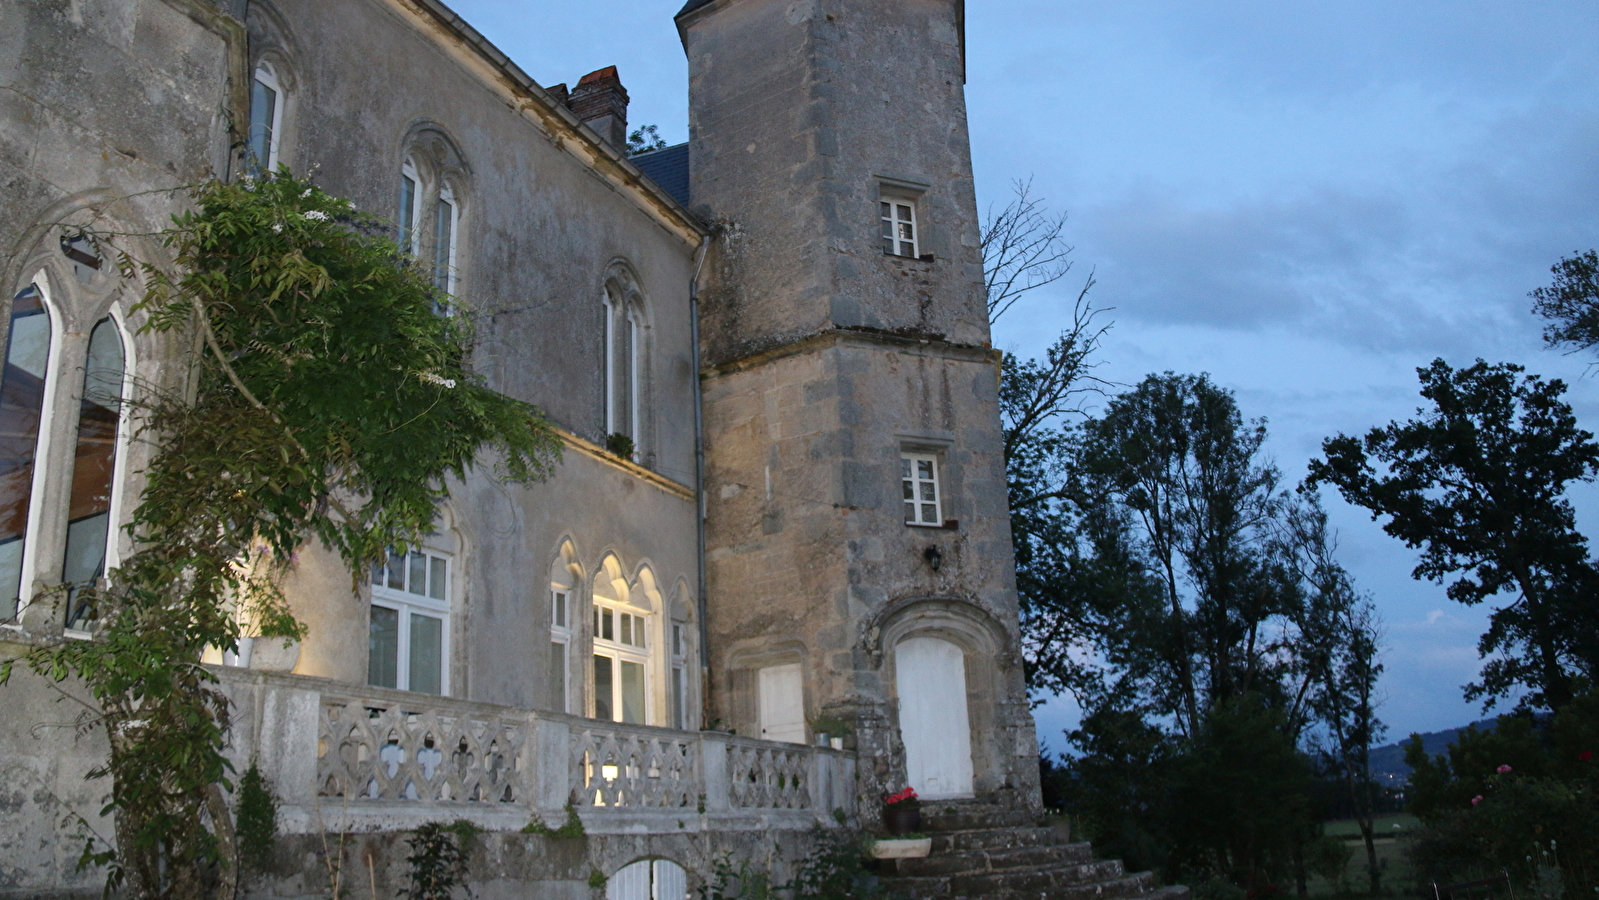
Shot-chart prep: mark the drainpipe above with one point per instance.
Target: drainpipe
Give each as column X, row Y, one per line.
column 699, row 473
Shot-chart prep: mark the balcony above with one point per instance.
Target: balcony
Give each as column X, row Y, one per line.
column 342, row 757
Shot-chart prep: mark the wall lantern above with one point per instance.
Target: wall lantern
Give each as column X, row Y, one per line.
column 934, row 557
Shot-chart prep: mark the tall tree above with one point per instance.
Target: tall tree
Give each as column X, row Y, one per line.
column 1477, row 483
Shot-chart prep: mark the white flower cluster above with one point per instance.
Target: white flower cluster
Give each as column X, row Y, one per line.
column 316, row 215
column 435, row 378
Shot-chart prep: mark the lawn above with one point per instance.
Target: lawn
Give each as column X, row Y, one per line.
column 1396, row 879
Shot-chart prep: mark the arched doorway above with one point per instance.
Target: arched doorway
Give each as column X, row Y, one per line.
column 930, row 674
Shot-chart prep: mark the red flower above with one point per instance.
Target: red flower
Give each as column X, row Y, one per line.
column 902, row 796
column 1503, row 770
column 1476, row 800
column 1585, row 755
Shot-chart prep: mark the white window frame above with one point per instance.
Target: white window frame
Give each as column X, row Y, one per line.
column 911, row 482
column 561, row 637
column 618, row 653
column 119, row 450
column 893, row 225
column 409, row 237
column 268, row 78
column 405, row 603
column 447, row 197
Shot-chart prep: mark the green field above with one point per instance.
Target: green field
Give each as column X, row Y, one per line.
column 1390, row 858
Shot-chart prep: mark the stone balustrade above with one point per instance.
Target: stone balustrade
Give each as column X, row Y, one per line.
column 348, row 757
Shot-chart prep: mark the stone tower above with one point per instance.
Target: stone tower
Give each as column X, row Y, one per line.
column 860, row 573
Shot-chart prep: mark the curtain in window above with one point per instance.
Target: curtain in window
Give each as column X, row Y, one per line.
column 21, row 408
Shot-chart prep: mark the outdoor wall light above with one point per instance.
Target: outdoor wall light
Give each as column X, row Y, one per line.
column 934, row 557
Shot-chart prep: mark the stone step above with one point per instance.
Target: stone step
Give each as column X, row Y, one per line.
column 973, row 817
column 999, row 839
column 1050, row 884
column 1027, row 859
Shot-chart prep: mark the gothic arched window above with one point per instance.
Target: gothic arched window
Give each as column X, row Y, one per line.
column 94, row 468
column 22, row 402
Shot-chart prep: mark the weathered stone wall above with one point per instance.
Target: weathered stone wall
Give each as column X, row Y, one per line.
column 546, row 211
column 827, row 358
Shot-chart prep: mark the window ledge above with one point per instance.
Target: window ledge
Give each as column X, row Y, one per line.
column 949, row 525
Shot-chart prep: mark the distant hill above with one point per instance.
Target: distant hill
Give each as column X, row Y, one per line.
column 1388, row 762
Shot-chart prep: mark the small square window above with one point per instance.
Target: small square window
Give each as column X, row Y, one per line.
column 919, row 482
column 899, row 231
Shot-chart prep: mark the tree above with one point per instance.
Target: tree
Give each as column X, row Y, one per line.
column 644, row 139
column 1477, row 482
column 1571, row 303
column 330, row 402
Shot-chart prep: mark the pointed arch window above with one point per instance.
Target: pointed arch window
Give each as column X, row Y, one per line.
column 410, row 206
column 266, row 119
column 22, row 399
column 94, row 469
column 624, row 366
column 446, row 216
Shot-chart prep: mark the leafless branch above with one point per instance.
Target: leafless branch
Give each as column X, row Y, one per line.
column 1022, row 249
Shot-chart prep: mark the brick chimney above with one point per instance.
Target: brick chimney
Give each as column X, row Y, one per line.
column 600, row 101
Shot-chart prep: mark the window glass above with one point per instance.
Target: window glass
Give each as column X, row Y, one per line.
column 898, row 227
column 679, row 699
column 558, row 674
column 444, row 243
column 436, row 579
column 408, row 203
column 427, row 654
column 264, row 120
column 558, row 608
column 93, row 468
column 633, row 693
column 919, row 481
column 21, row 407
column 383, row 643
column 604, row 687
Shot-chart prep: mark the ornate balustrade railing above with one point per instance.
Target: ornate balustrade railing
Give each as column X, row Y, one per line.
column 373, row 758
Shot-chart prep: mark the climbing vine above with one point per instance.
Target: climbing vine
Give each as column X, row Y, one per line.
column 329, row 402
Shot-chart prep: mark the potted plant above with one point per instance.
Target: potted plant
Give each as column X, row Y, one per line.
column 902, row 812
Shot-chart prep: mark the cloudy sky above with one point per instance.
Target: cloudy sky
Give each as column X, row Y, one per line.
column 1307, row 199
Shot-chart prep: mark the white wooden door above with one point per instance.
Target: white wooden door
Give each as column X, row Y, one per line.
column 931, row 677
column 782, row 701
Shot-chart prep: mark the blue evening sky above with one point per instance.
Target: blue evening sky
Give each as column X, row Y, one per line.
column 1307, row 199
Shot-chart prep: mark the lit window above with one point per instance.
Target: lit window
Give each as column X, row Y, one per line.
column 410, row 628
column 266, row 119
column 22, row 396
column 899, row 227
column 93, row 470
column 621, row 657
column 919, row 476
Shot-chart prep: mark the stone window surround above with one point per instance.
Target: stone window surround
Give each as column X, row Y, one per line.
column 438, row 174
column 938, row 449
column 76, row 299
column 626, row 386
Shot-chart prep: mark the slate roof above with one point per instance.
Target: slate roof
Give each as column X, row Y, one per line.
column 690, row 6
column 668, row 168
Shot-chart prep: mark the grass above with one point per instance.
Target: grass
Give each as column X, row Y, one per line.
column 1396, row 877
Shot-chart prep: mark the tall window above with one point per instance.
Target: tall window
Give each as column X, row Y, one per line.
column 93, row 470
column 899, row 227
column 446, row 215
column 22, row 395
column 621, row 657
column 409, row 634
column 919, row 477
column 679, row 678
column 410, row 207
column 266, row 119
column 623, row 365
column 560, row 645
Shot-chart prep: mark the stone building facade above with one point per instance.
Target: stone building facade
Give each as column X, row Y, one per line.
column 772, row 576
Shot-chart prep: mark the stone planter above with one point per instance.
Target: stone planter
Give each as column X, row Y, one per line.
column 273, row 655
column 913, row 848
column 898, row 818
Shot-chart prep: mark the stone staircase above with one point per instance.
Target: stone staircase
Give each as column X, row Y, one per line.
column 984, row 851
